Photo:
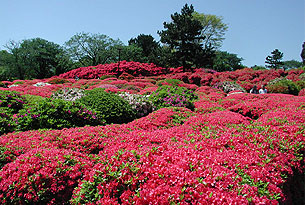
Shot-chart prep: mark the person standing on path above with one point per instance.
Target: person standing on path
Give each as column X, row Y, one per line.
column 263, row 90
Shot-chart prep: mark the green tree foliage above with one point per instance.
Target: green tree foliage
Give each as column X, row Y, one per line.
column 183, row 36
column 151, row 50
column 283, row 85
column 146, row 42
column 5, row 60
column 291, row 64
column 36, row 58
column 275, row 60
column 92, row 49
column 17, row 59
column 41, row 57
column 128, row 53
column 213, row 29
column 225, row 61
column 303, row 53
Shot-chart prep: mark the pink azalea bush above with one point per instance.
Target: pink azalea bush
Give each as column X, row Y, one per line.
column 42, row 176
column 233, row 148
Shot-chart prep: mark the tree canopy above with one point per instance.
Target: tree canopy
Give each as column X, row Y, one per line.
column 35, row 58
column 275, row 59
column 91, row 49
column 183, row 36
column 291, row 64
column 213, row 29
column 225, row 61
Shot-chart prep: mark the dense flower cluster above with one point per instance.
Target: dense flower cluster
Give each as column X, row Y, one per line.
column 173, row 96
column 133, row 68
column 228, row 86
column 68, row 94
column 173, row 155
column 231, row 148
column 140, row 103
column 42, row 176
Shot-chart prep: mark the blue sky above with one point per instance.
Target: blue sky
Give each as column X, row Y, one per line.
column 256, row 27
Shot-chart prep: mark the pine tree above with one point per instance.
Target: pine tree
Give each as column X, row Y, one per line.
column 274, row 61
column 183, row 36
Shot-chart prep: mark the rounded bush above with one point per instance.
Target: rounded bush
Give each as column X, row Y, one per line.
column 111, row 181
column 173, row 82
column 302, row 92
column 139, row 103
column 110, row 107
column 68, row 94
column 32, row 99
column 173, row 96
column 58, row 81
column 56, row 114
column 282, row 85
column 10, row 104
column 300, row 84
column 42, row 176
column 11, row 100
column 228, row 86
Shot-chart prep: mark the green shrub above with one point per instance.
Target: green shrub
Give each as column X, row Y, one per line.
column 10, row 104
column 173, row 82
column 106, row 76
column 173, row 96
column 302, row 76
column 282, row 85
column 109, row 106
column 259, row 67
column 300, row 84
column 56, row 114
column 11, row 100
column 58, row 81
column 18, row 82
column 32, row 99
column 6, row 123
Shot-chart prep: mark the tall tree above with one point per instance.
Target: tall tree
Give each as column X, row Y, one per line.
column 213, row 29
column 275, row 60
column 152, row 51
column 17, row 61
column 41, row 57
column 5, row 63
column 225, row 61
column 146, row 42
column 35, row 58
column 183, row 36
column 91, row 49
column 303, row 53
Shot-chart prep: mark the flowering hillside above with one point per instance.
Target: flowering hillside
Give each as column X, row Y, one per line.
column 230, row 147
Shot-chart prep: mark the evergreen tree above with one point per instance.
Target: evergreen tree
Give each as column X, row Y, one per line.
column 274, row 61
column 303, row 54
column 146, row 42
column 183, row 36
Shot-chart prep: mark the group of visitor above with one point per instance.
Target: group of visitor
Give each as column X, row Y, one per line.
column 254, row 90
